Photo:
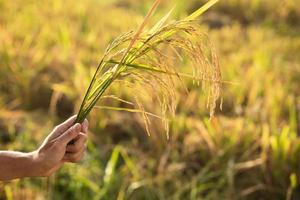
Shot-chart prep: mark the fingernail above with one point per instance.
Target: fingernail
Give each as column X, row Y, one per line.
column 77, row 127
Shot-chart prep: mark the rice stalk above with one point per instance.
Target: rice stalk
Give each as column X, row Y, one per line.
column 148, row 59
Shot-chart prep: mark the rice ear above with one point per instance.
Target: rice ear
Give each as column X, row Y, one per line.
column 141, row 28
column 80, row 118
column 146, row 59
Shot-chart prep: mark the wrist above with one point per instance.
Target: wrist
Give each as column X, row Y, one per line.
column 35, row 168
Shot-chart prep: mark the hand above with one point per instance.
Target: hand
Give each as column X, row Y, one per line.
column 56, row 150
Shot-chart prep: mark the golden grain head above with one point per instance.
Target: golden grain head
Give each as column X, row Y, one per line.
column 148, row 62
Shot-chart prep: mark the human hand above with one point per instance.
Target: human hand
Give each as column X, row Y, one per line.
column 57, row 149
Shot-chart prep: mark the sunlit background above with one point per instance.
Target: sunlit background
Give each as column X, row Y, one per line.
column 250, row 149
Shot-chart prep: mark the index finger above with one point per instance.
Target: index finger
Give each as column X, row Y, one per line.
column 66, row 124
column 61, row 128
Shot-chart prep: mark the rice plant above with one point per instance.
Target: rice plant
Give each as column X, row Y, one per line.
column 149, row 59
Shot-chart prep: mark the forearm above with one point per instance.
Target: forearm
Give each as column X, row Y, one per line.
column 17, row 165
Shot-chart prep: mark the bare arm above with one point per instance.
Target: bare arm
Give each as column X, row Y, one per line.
column 50, row 156
column 17, row 165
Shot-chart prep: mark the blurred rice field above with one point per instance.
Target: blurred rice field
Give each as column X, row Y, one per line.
column 249, row 150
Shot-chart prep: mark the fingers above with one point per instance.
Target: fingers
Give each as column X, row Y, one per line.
column 74, row 157
column 65, row 125
column 58, row 130
column 70, row 134
column 84, row 130
column 85, row 126
column 79, row 144
column 75, row 152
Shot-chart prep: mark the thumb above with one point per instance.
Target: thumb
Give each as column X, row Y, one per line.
column 70, row 134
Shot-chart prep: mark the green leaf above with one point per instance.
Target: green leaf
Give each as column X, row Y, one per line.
column 159, row 24
column 201, row 10
column 128, row 110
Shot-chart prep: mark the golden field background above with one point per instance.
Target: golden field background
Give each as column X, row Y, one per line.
column 250, row 150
